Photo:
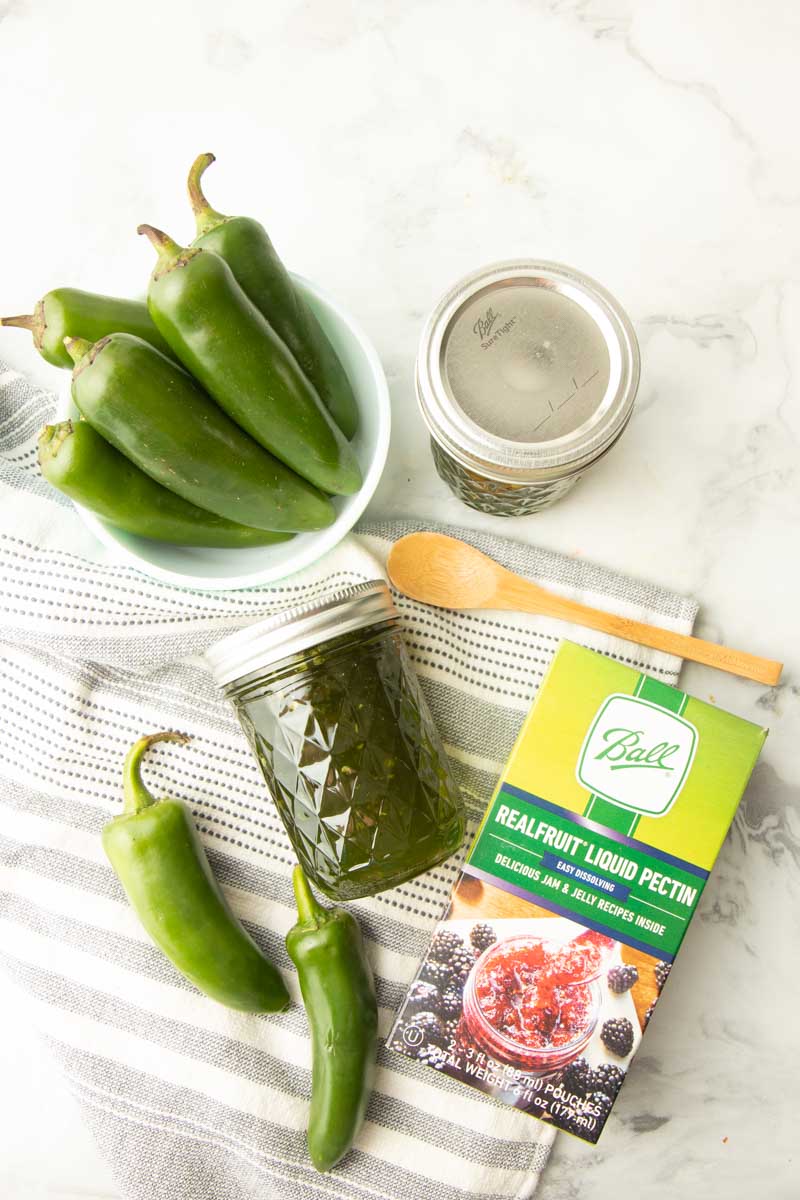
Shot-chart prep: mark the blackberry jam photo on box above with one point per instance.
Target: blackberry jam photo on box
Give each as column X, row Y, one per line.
column 533, row 1009
column 578, row 889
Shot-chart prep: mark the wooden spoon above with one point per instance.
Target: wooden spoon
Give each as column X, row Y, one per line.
column 444, row 571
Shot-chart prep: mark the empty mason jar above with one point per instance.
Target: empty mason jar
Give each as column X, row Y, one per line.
column 333, row 712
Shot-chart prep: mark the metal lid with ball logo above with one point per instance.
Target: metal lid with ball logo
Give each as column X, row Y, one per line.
column 527, row 372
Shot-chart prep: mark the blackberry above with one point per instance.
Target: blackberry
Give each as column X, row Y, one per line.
column 431, row 1025
column 482, row 936
column 609, row 1079
column 622, row 979
column 461, row 962
column 443, row 943
column 437, row 973
column 574, row 1120
column 451, row 1003
column 649, row 1014
column 451, row 1028
column 578, row 1077
column 432, row 1055
column 601, row 1103
column 662, row 970
column 423, row 995
column 617, row 1036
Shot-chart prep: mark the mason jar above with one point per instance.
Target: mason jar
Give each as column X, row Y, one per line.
column 531, row 1045
column 329, row 702
column 526, row 375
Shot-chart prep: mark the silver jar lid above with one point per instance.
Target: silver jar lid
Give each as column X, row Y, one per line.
column 527, row 371
column 295, row 629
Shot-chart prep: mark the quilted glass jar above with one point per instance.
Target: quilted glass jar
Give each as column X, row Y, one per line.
column 526, row 376
column 333, row 712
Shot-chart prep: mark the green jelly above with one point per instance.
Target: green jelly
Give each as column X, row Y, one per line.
column 332, row 709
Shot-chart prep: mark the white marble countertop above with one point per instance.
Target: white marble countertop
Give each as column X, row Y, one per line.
column 392, row 147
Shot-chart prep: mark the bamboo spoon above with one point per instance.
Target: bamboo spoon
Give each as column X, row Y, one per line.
column 444, row 571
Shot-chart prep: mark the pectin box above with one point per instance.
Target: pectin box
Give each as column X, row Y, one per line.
column 578, row 889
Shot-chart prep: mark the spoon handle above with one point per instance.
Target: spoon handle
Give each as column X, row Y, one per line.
column 515, row 593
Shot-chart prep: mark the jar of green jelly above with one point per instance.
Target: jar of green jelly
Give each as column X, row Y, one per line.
column 334, row 714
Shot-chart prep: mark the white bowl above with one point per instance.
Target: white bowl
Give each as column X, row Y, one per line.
column 198, row 567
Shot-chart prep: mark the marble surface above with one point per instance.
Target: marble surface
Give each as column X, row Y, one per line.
column 391, row 147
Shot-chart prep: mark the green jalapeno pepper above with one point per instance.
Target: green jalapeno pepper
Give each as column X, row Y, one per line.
column 69, row 312
column 246, row 247
column 158, row 858
column 74, row 458
column 221, row 337
column 154, row 414
column 339, row 996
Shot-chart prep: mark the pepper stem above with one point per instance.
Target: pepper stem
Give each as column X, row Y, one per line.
column 25, row 322
column 308, row 910
column 167, row 248
column 52, row 438
column 136, row 795
column 77, row 348
column 207, row 217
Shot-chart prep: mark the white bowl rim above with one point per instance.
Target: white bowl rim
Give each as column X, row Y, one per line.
column 324, row 540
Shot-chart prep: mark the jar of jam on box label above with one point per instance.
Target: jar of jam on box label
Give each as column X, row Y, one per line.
column 534, row 1003
column 333, row 712
column 526, row 375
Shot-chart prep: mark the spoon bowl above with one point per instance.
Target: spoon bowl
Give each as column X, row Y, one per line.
column 444, row 571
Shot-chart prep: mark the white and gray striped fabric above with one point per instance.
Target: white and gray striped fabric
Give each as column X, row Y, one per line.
column 186, row 1099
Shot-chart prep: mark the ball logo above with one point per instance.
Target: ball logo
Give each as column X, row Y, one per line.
column 637, row 754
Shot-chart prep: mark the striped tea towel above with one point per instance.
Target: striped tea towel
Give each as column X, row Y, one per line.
column 186, row 1099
